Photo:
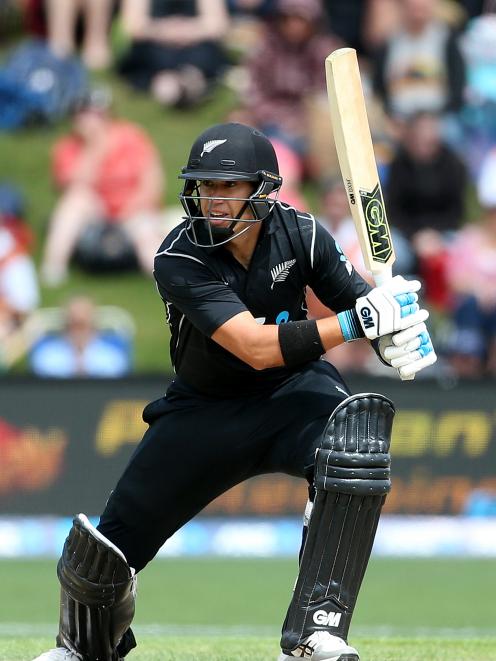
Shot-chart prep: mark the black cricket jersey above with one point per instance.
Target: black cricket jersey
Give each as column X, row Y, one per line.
column 204, row 288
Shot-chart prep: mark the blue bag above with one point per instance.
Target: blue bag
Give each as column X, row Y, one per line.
column 36, row 86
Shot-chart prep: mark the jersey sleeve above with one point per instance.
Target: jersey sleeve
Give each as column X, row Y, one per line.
column 205, row 300
column 333, row 279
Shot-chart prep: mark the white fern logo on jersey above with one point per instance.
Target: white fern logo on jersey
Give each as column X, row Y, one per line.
column 211, row 145
column 280, row 272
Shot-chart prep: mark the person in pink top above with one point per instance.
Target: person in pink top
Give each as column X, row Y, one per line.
column 471, row 275
column 295, row 44
column 109, row 173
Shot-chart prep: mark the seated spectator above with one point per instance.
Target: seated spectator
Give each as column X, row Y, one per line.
column 425, row 195
column 110, row 178
column 175, row 52
column 19, row 294
column 62, row 20
column 80, row 347
column 286, row 69
column 426, row 182
column 471, row 275
column 420, row 66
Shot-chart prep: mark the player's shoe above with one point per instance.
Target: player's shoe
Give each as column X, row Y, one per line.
column 322, row 646
column 58, row 654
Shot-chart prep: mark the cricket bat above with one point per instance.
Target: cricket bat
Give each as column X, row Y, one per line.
column 356, row 157
column 357, row 162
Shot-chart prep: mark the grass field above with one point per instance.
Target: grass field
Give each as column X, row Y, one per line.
column 222, row 610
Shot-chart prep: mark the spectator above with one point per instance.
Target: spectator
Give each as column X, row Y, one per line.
column 175, row 52
column 62, row 17
column 110, row 176
column 286, row 69
column 420, row 67
column 426, row 183
column 477, row 123
column 247, row 22
column 19, row 294
column 471, row 274
column 81, row 348
column 425, row 193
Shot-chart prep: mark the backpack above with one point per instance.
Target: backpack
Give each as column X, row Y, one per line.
column 38, row 87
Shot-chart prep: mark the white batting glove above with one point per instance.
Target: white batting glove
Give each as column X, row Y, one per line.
column 409, row 351
column 386, row 309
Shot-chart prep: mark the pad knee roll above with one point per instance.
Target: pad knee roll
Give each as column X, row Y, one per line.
column 354, row 455
column 97, row 595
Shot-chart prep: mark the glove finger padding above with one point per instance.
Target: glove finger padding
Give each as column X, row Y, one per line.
column 411, row 356
column 391, row 351
column 402, row 337
column 409, row 370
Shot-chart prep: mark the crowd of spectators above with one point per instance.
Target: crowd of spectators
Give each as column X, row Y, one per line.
column 429, row 73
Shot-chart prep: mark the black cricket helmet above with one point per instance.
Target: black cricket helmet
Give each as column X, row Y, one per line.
column 229, row 152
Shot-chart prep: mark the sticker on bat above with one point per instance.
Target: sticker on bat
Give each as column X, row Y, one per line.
column 377, row 225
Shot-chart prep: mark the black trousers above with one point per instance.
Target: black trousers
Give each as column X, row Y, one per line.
column 198, row 447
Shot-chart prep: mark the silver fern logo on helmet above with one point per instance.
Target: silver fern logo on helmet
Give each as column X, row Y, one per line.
column 211, row 145
column 280, row 272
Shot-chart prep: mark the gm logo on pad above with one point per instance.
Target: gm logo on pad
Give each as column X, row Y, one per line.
column 327, row 619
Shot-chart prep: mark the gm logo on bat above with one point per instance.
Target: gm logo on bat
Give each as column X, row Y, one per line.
column 377, row 224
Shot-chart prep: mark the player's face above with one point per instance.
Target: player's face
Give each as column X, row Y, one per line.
column 221, row 200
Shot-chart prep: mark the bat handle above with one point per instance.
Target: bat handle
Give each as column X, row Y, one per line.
column 380, row 277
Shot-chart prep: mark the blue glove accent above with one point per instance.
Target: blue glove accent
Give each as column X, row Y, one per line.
column 408, row 304
column 406, row 299
column 409, row 309
column 350, row 325
column 425, row 347
column 424, row 337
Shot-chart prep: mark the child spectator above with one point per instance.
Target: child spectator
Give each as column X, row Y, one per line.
column 110, row 175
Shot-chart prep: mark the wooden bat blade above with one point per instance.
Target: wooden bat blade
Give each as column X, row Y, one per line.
column 357, row 161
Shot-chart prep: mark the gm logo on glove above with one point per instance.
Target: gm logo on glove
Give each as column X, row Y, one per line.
column 367, row 321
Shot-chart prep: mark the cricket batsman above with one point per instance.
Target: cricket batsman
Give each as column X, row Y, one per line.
column 250, row 395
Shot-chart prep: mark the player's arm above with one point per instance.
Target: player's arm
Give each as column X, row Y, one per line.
column 264, row 346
